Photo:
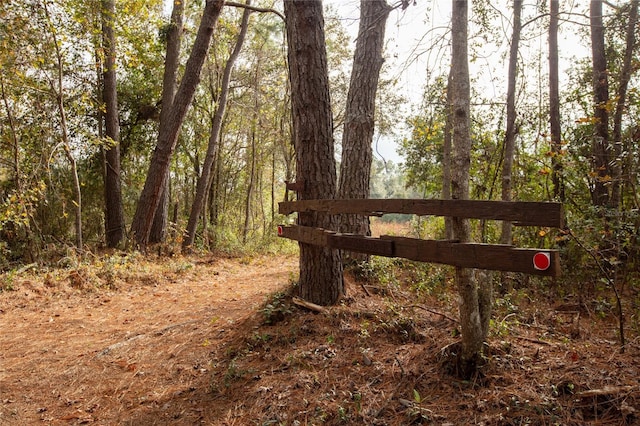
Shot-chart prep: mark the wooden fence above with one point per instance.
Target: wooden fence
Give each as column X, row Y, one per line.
column 466, row 255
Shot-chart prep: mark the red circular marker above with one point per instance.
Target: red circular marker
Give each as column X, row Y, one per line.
column 279, row 230
column 541, row 261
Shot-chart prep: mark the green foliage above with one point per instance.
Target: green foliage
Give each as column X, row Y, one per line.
column 277, row 308
column 16, row 220
column 378, row 270
column 18, row 208
column 429, row 279
column 423, row 150
column 424, row 155
column 605, row 244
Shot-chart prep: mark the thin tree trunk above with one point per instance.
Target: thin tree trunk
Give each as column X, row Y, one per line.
column 359, row 123
column 470, row 312
column 251, row 164
column 168, row 134
column 510, row 136
column 114, row 211
column 251, row 153
column 446, row 158
column 554, row 105
column 600, row 148
column 273, row 185
column 204, row 180
column 625, row 76
column 320, row 268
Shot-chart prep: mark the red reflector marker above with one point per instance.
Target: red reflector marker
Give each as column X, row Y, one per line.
column 541, row 261
column 279, row 230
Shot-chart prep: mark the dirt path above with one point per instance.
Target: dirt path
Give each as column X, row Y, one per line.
column 123, row 356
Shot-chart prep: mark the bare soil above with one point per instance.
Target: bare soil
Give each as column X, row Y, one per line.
column 217, row 341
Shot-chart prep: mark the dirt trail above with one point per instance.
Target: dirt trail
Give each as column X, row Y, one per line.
column 74, row 356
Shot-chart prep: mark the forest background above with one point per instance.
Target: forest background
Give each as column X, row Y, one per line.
column 54, row 138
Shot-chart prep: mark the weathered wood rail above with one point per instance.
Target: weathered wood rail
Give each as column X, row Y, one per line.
column 467, row 255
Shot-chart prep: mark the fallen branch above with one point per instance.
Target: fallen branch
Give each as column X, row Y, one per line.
column 364, row 287
column 433, row 311
column 527, row 339
column 605, row 391
column 309, row 305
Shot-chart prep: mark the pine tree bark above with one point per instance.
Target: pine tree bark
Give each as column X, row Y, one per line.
column 320, row 267
column 114, row 211
column 168, row 134
column 357, row 137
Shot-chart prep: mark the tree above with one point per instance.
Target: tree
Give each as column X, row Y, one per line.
column 474, row 302
column 512, row 130
column 320, row 267
column 621, row 96
column 204, row 180
column 168, row 133
column 114, row 212
column 554, row 104
column 169, row 83
column 446, row 158
column 357, row 137
column 601, row 172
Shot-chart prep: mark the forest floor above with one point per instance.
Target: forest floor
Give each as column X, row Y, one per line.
column 216, row 340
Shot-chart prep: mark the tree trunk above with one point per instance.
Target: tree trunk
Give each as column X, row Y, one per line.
column 446, row 158
column 600, row 148
column 320, row 267
column 204, row 180
column 554, row 105
column 470, row 312
column 251, row 169
column 357, row 137
column 621, row 96
column 251, row 153
column 168, row 133
column 158, row 230
column 510, row 136
column 114, row 211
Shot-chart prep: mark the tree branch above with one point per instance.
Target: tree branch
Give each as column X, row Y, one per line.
column 254, row 8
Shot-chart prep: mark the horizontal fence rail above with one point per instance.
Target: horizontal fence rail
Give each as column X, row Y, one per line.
column 466, row 255
column 521, row 213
